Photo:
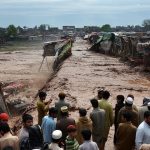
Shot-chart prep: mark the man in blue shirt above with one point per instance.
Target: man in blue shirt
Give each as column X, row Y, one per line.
column 49, row 125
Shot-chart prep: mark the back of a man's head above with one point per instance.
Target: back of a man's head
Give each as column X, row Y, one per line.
column 120, row 98
column 42, row 95
column 86, row 134
column 52, row 111
column 127, row 116
column 62, row 96
column 82, row 112
column 26, row 117
column 130, row 95
column 94, row 103
column 106, row 95
column 4, row 127
column 147, row 114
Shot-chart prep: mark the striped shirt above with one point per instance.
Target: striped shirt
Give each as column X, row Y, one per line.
column 71, row 144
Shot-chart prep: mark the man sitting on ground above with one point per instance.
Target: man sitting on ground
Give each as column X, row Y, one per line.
column 88, row 144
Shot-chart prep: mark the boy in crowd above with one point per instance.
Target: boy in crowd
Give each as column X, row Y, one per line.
column 71, row 142
column 88, row 144
column 27, row 121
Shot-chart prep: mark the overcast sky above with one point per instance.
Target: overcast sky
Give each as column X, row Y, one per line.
column 73, row 12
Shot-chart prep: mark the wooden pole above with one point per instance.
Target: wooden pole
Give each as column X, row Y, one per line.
column 41, row 64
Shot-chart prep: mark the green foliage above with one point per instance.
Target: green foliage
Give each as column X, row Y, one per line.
column 11, row 31
column 42, row 28
column 146, row 22
column 106, row 28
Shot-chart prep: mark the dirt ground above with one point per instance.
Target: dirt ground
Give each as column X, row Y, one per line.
column 80, row 76
column 85, row 72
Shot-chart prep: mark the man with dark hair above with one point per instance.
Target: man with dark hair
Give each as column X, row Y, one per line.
column 49, row 125
column 42, row 106
column 98, row 119
column 27, row 121
column 83, row 123
column 143, row 131
column 61, row 103
column 125, row 136
column 88, row 144
column 128, row 108
column 99, row 94
column 118, row 106
column 109, row 120
column 141, row 112
column 64, row 122
column 7, row 140
column 133, row 106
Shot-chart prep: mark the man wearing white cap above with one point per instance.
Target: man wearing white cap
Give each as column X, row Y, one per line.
column 128, row 108
column 56, row 137
column 141, row 112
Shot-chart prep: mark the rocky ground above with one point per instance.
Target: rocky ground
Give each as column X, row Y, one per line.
column 80, row 76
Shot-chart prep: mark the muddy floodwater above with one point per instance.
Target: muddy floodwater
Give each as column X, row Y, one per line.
column 85, row 72
column 80, row 76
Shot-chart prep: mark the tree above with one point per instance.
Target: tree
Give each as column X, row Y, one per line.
column 11, row 31
column 42, row 29
column 146, row 24
column 106, row 28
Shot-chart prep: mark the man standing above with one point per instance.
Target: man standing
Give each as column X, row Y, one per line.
column 56, row 139
column 83, row 123
column 7, row 140
column 27, row 123
column 125, row 136
column 42, row 107
column 64, row 122
column 133, row 106
column 143, row 131
column 141, row 112
column 49, row 125
column 98, row 119
column 103, row 104
column 71, row 142
column 119, row 105
column 88, row 144
column 128, row 108
column 60, row 104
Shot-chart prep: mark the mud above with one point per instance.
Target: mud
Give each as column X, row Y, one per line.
column 80, row 76
column 85, row 72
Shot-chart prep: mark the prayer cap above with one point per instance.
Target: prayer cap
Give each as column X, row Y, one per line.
column 129, row 100
column 57, row 134
column 64, row 109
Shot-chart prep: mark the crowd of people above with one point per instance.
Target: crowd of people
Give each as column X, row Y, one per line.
column 58, row 130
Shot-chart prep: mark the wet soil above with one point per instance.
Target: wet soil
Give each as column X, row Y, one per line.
column 85, row 72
